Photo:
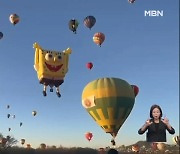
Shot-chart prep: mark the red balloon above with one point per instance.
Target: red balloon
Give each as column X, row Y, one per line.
column 89, row 65
column 88, row 136
column 136, row 89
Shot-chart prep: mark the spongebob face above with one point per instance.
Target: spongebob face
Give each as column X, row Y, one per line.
column 51, row 64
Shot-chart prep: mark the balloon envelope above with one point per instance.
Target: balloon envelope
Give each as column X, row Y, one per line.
column 136, row 89
column 89, row 65
column 14, row 19
column 131, row 1
column 109, row 101
column 22, row 141
column 1, row 35
column 73, row 24
column 89, row 21
column 34, row 113
column 176, row 140
column 88, row 136
column 98, row 38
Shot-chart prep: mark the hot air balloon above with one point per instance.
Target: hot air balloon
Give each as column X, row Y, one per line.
column 28, row 146
column 136, row 89
column 98, row 38
column 1, row 35
column 34, row 113
column 43, row 146
column 8, row 106
column 160, row 146
column 14, row 19
column 14, row 116
column 22, row 141
column 89, row 21
column 9, row 129
column 109, row 101
column 131, row 1
column 8, row 115
column 154, row 145
column 89, row 136
column 89, row 65
column 176, row 140
column 135, row 148
column 73, row 25
column 20, row 124
column 3, row 141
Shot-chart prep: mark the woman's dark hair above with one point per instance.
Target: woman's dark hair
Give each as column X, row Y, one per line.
column 153, row 107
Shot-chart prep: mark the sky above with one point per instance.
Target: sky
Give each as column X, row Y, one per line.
column 143, row 50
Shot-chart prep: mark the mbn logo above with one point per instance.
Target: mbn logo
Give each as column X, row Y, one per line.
column 153, row 13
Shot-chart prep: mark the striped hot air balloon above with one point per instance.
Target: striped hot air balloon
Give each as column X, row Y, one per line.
column 89, row 21
column 109, row 101
column 98, row 38
column 135, row 148
column 176, row 140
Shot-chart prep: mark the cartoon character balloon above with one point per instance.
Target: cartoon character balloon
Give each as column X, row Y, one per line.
column 89, row 136
column 89, row 65
column 98, row 38
column 51, row 67
column 109, row 101
column 14, row 19
column 73, row 25
column 89, row 21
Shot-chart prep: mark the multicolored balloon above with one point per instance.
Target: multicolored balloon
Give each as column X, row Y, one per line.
column 34, row 113
column 109, row 101
column 98, row 38
column 89, row 21
column 73, row 25
column 89, row 136
column 14, row 19
column 176, row 140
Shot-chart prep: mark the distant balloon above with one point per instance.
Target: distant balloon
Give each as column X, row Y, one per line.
column 9, row 129
column 89, row 65
column 160, row 146
column 3, row 141
column 89, row 136
column 22, row 141
column 28, row 146
column 136, row 89
column 14, row 19
column 98, row 38
column 8, row 115
column 34, row 113
column 73, row 25
column 8, row 106
column 14, row 116
column 1, row 35
column 43, row 146
column 131, row 1
column 135, row 148
column 20, row 124
column 89, row 21
column 176, row 140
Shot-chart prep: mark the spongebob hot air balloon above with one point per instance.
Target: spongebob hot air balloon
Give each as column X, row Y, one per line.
column 109, row 101
column 51, row 67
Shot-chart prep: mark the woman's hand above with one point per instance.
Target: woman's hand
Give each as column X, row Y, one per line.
column 148, row 122
column 165, row 121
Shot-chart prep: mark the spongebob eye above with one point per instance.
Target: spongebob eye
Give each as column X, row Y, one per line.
column 49, row 57
column 57, row 58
